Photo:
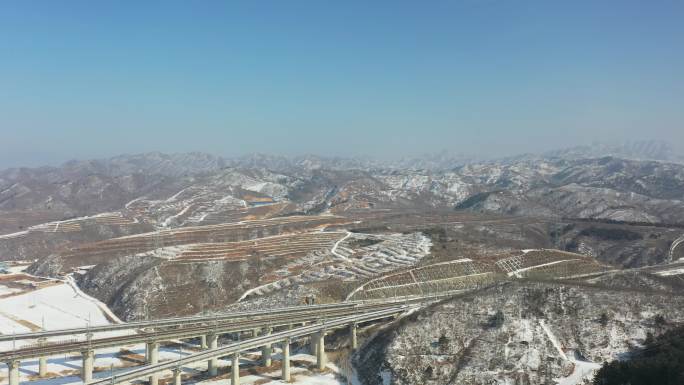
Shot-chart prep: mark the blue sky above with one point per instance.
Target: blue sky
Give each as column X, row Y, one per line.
column 86, row 79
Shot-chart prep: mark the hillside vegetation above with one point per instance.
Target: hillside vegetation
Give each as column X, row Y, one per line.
column 660, row 362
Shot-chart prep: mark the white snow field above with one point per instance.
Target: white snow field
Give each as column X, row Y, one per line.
column 52, row 307
column 4, row 290
column 676, row 271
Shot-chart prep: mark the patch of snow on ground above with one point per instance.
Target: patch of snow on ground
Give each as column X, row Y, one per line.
column 167, row 222
column 10, row 326
column 4, row 290
column 18, row 268
column 582, row 368
column 100, row 305
column 553, row 339
column 14, row 235
column 58, row 306
column 671, row 272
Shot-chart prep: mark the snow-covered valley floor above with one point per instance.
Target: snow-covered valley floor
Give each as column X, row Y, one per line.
column 53, row 307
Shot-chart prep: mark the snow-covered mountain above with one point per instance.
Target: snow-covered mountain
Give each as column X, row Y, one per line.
column 56, row 207
column 603, row 188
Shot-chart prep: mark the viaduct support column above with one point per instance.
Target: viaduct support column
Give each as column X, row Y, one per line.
column 321, row 358
column 203, row 342
column 235, row 370
column 42, row 361
column 213, row 363
column 42, row 366
column 266, row 351
column 13, row 369
column 87, row 371
column 152, row 349
column 313, row 344
column 286, row 360
column 177, row 376
column 354, row 339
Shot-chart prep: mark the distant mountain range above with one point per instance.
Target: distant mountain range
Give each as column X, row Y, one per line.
column 575, row 183
column 180, row 164
column 636, row 150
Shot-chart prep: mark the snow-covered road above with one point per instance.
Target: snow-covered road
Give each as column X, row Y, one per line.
column 582, row 369
column 334, row 252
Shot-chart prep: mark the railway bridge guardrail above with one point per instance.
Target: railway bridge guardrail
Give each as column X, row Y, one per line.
column 234, row 349
column 171, row 322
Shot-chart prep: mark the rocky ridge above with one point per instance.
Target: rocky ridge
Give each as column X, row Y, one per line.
column 516, row 333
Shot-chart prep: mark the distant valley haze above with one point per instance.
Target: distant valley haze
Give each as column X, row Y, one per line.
column 386, row 80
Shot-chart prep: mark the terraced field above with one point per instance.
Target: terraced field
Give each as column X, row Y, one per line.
column 552, row 263
column 441, row 277
column 73, row 225
column 353, row 257
column 291, row 245
column 207, row 204
column 467, row 274
column 168, row 243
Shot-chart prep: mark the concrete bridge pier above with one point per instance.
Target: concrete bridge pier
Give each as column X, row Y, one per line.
column 177, row 376
column 13, row 372
column 203, row 342
column 42, row 366
column 213, row 363
column 88, row 357
column 354, row 339
column 313, row 343
column 266, row 351
column 235, row 370
column 286, row 360
column 152, row 353
column 321, row 358
column 42, row 361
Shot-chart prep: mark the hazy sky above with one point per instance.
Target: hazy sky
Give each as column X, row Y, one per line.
column 90, row 79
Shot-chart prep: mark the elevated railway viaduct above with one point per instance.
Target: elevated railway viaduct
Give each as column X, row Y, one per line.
column 276, row 326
